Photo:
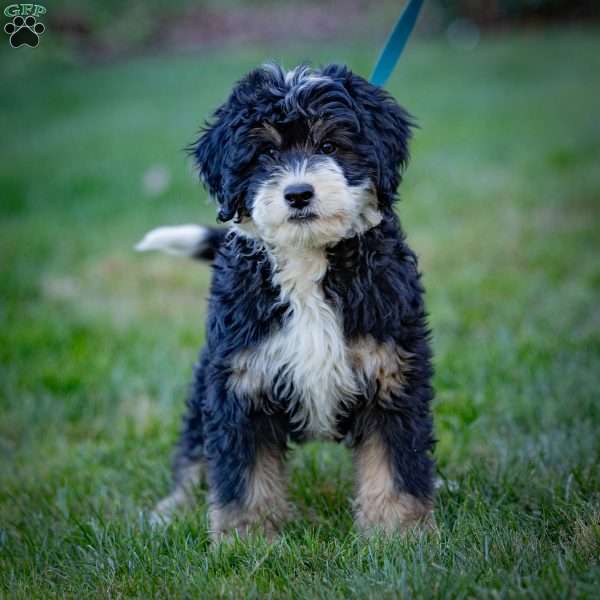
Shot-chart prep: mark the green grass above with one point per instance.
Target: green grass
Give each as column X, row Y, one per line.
column 501, row 202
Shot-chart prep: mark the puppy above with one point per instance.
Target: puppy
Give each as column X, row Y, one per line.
column 316, row 325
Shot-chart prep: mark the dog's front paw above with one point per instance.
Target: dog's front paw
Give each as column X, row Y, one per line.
column 393, row 513
column 229, row 523
column 242, row 531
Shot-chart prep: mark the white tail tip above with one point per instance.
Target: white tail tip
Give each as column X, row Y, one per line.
column 179, row 240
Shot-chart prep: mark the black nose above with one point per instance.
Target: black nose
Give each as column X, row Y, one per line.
column 299, row 194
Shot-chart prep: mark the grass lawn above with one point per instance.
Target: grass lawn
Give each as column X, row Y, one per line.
column 502, row 204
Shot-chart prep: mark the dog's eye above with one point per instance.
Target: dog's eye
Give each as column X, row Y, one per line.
column 272, row 152
column 327, row 148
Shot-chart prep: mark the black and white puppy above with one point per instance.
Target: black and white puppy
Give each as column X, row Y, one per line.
column 316, row 324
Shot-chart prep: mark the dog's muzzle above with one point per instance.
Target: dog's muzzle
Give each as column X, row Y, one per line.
column 299, row 197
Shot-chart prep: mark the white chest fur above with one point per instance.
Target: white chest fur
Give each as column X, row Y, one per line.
column 308, row 354
column 310, row 348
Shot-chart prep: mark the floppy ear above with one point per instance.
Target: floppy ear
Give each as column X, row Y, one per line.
column 387, row 126
column 212, row 154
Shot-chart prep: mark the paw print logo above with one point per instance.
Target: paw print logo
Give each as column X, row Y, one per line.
column 24, row 31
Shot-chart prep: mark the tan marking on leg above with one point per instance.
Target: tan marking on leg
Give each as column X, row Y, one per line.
column 379, row 506
column 182, row 495
column 383, row 364
column 265, row 504
column 247, row 374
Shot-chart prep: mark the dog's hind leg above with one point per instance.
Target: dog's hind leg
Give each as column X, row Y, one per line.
column 187, row 478
column 188, row 464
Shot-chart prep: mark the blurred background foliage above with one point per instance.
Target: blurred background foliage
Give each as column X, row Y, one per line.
column 104, row 29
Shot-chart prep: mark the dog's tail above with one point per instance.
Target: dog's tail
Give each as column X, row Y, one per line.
column 193, row 241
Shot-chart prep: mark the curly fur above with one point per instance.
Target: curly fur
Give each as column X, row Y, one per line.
column 316, row 323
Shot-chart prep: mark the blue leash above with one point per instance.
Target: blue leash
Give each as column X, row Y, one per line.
column 395, row 45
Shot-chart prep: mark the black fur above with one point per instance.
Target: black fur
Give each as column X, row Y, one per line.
column 372, row 280
column 375, row 133
column 210, row 244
